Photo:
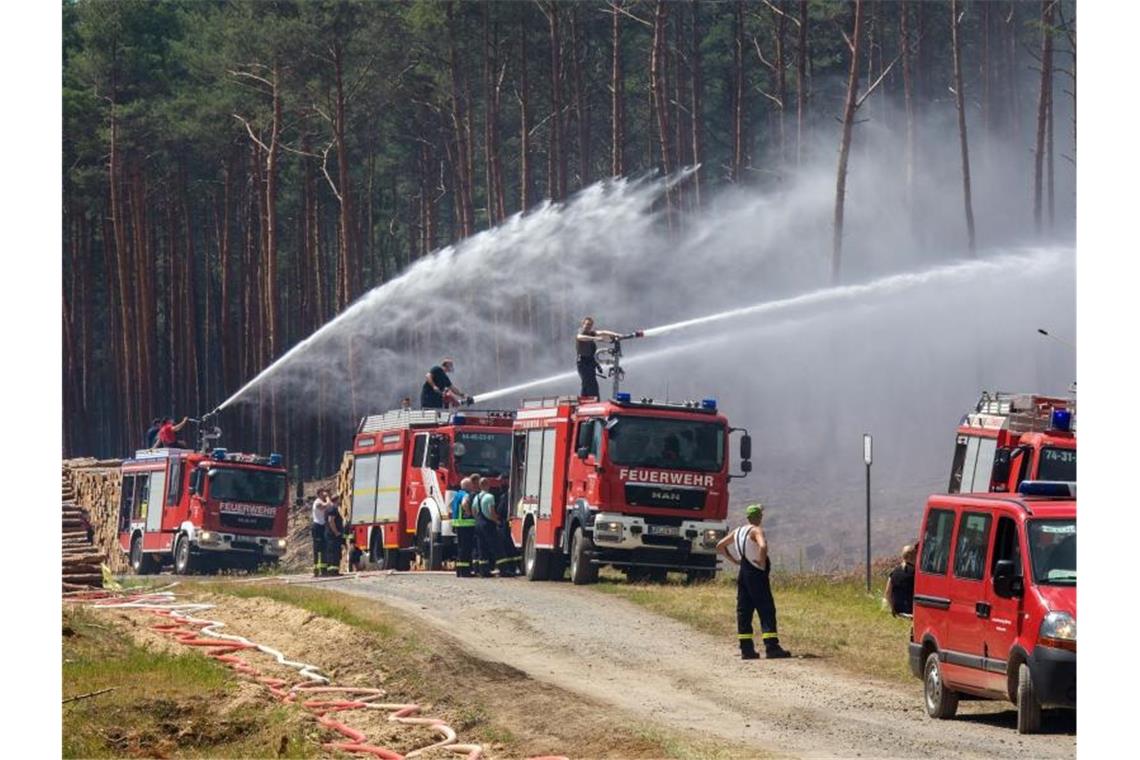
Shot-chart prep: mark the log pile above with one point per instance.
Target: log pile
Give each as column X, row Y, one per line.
column 94, row 487
column 82, row 563
column 344, row 490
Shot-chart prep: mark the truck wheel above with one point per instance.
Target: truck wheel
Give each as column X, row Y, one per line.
column 536, row 562
column 699, row 576
column 1028, row 708
column 431, row 553
column 658, row 575
column 141, row 562
column 376, row 554
column 184, row 563
column 941, row 701
column 582, row 570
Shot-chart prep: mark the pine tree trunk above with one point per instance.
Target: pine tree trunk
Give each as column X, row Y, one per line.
column 696, row 87
column 556, row 158
column 737, row 94
column 581, row 102
column 617, row 97
column 660, row 97
column 1044, row 99
column 845, row 141
column 524, row 127
column 960, row 97
column 801, row 80
column 908, row 96
column 348, row 263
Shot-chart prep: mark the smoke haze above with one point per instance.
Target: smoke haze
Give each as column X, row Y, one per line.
column 900, row 357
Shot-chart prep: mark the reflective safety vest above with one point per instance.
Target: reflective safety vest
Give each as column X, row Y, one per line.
column 458, row 519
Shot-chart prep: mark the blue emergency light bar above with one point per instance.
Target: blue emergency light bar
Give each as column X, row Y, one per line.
column 708, row 403
column 622, row 398
column 458, row 419
column 219, row 455
column 1061, row 488
column 275, row 460
column 1062, row 420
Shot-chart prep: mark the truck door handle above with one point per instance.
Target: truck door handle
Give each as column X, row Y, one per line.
column 982, row 609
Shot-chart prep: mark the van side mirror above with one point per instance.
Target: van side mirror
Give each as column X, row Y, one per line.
column 746, row 447
column 1007, row 584
column 583, row 452
column 1002, row 459
column 746, row 465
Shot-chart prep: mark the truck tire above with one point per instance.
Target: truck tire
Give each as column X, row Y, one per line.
column 658, row 575
column 376, row 553
column 1028, row 707
column 941, row 701
column 536, row 562
column 428, row 546
column 699, row 576
column 185, row 563
column 582, row 570
column 141, row 562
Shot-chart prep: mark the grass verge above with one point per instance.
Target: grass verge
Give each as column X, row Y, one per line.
column 164, row 705
column 833, row 618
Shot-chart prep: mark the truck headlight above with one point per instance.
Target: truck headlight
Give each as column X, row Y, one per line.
column 608, row 531
column 207, row 537
column 280, row 543
column 1059, row 630
column 711, row 536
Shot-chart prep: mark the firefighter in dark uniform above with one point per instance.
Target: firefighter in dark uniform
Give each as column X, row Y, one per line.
column 509, row 562
column 438, row 388
column 486, row 528
column 334, row 537
column 586, row 345
column 463, row 523
column 747, row 547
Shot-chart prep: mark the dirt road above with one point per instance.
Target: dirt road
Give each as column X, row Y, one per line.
column 668, row 673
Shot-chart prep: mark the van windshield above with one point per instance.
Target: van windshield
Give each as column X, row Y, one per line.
column 1053, row 547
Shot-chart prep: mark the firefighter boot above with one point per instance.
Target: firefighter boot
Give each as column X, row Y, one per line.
column 748, row 649
column 773, row 650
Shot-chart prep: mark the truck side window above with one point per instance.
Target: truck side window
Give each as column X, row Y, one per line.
column 142, row 497
column 936, row 541
column 1006, row 544
column 419, row 450
column 196, row 481
column 973, row 541
column 956, row 467
column 126, row 502
column 174, row 487
column 590, row 436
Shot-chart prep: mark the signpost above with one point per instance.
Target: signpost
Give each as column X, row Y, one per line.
column 867, row 461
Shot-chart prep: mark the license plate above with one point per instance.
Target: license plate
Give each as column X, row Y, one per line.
column 664, row 530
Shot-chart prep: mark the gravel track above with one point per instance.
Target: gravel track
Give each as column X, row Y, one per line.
column 666, row 672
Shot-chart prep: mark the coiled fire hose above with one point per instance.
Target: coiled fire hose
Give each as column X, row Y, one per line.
column 193, row 631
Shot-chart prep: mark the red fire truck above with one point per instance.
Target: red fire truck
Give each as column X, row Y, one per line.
column 1013, row 437
column 202, row 511
column 638, row 485
column 406, row 466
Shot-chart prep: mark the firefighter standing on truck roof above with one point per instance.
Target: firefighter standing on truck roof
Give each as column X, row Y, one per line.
column 586, row 345
column 463, row 522
column 437, row 385
column 747, row 547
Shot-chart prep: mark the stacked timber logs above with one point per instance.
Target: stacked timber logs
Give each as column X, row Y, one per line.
column 82, row 562
column 95, row 486
column 344, row 490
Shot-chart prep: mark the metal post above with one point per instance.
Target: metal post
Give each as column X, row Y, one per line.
column 867, row 461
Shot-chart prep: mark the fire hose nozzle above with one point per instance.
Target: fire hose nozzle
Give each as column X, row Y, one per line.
column 634, row 334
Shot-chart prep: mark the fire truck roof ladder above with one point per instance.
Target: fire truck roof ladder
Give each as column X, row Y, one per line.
column 549, row 401
column 1024, row 412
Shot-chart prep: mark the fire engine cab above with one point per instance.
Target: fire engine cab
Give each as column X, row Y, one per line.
column 202, row 511
column 1014, row 437
column 407, row 464
column 638, row 485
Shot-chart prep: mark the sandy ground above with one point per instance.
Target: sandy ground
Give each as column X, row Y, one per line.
column 614, row 652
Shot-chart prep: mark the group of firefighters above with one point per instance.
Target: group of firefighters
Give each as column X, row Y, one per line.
column 481, row 531
column 328, row 530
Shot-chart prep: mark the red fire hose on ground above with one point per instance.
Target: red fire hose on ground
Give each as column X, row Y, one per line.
column 315, row 693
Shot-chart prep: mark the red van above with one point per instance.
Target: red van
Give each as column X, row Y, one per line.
column 995, row 601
